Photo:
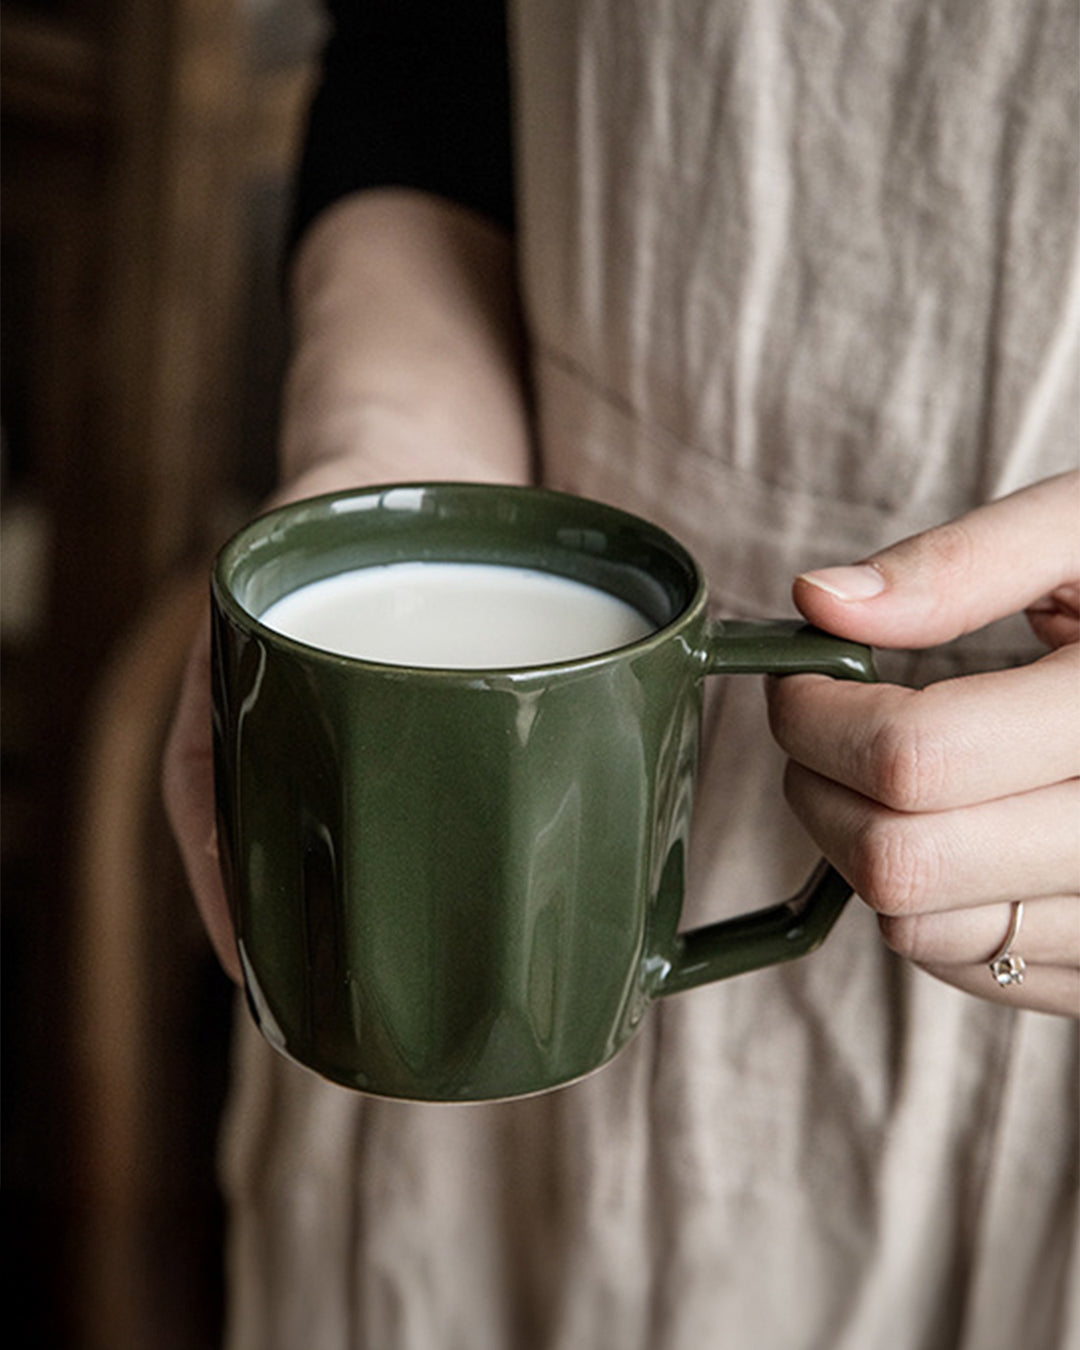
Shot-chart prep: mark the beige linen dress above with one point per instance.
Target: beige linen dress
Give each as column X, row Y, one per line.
column 801, row 278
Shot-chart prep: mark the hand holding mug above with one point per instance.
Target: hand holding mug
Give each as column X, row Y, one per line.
column 946, row 806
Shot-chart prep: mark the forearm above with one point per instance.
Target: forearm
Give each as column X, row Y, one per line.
column 408, row 357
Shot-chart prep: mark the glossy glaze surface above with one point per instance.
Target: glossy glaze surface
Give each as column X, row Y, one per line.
column 466, row 885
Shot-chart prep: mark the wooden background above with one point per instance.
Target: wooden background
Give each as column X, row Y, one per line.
column 147, row 151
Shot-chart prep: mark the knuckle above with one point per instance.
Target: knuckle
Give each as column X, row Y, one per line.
column 950, row 561
column 894, row 869
column 908, row 765
column 951, row 549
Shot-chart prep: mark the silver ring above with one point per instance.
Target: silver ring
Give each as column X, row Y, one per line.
column 1005, row 966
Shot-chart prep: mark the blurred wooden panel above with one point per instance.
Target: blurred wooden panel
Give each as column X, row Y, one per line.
column 150, row 1012
column 143, row 143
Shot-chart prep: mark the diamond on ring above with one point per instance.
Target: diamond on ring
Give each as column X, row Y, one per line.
column 1006, row 967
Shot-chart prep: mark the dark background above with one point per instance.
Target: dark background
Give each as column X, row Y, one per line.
column 148, row 147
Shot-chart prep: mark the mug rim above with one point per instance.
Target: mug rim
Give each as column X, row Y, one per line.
column 231, row 555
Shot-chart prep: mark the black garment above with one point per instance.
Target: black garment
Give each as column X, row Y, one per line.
column 413, row 94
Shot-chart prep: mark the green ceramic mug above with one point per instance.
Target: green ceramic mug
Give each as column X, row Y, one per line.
column 466, row 884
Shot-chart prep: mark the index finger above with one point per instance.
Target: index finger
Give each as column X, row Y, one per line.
column 952, row 744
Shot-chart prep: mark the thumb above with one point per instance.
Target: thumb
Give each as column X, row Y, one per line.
column 953, row 579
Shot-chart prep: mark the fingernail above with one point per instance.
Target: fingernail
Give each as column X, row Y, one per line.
column 861, row 582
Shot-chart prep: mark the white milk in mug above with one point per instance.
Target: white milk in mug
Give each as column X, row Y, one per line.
column 456, row 616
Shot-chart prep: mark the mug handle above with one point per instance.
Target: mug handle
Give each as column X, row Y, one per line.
column 797, row 926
